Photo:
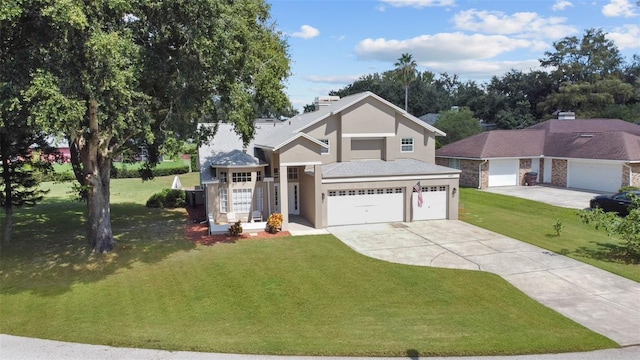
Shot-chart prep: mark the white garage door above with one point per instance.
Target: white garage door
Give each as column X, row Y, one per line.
column 434, row 203
column 594, row 176
column 365, row 206
column 504, row 172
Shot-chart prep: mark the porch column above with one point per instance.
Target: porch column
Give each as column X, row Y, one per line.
column 320, row 199
column 284, row 197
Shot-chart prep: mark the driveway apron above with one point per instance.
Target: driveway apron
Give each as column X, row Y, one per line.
column 603, row 302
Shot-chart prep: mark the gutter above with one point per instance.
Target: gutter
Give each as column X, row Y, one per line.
column 480, row 173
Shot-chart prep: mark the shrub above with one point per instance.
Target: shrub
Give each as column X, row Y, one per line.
column 167, row 198
column 235, row 229
column 557, row 227
column 274, row 223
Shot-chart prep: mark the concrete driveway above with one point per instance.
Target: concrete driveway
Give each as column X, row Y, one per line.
column 569, row 198
column 605, row 303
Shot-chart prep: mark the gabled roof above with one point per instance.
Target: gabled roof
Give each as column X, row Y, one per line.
column 297, row 124
column 603, row 139
column 234, row 158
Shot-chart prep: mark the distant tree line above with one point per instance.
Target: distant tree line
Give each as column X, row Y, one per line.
column 585, row 75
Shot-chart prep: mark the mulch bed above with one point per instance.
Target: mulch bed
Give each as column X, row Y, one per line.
column 199, row 233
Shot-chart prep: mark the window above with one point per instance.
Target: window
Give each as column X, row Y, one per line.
column 276, row 173
column 324, row 151
column 241, row 177
column 407, row 145
column 454, row 163
column 224, row 200
column 223, row 176
column 242, row 200
column 292, row 173
column 259, row 200
column 259, row 175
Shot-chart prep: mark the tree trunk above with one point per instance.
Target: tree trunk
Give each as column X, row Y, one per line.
column 406, row 98
column 96, row 165
column 8, row 189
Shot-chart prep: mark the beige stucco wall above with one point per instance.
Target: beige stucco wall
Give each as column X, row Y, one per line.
column 212, row 194
column 301, row 150
column 327, row 129
column 369, row 116
column 424, row 144
column 559, row 172
column 367, row 148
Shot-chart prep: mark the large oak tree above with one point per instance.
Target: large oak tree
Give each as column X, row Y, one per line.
column 115, row 72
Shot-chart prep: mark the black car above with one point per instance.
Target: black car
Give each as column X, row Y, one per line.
column 620, row 202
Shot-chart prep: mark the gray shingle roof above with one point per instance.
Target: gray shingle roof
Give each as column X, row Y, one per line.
column 367, row 168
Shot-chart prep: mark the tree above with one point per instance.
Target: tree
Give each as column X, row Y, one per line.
column 626, row 228
column 406, row 72
column 120, row 71
column 458, row 124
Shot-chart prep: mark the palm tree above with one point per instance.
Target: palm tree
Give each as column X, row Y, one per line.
column 406, row 71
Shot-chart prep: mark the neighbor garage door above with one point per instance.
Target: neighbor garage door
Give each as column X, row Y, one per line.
column 434, row 203
column 594, row 176
column 363, row 206
column 504, row 172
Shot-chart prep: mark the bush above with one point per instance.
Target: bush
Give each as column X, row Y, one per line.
column 167, row 198
column 274, row 223
column 124, row 173
column 235, row 229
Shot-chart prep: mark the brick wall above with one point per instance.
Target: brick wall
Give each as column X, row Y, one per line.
column 525, row 167
column 559, row 172
column 635, row 175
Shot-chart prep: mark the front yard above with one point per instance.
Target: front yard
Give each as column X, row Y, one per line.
column 308, row 295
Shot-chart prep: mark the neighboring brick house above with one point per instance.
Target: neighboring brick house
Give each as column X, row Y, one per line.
column 591, row 154
column 354, row 160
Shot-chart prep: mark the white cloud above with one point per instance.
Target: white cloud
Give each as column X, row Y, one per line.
column 442, row 47
column 332, row 79
column 418, row 3
column 481, row 71
column 626, row 37
column 619, row 8
column 561, row 5
column 524, row 24
column 306, row 32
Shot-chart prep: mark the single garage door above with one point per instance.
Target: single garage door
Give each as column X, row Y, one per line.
column 364, row 206
column 434, row 203
column 504, row 172
column 594, row 176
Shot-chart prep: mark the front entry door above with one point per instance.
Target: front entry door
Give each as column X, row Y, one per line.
column 294, row 198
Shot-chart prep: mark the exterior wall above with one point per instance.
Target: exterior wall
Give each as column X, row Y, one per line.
column 367, row 148
column 470, row 172
column 301, row 150
column 559, row 172
column 327, row 129
column 212, row 194
column 307, row 195
column 525, row 167
column 369, row 116
column 541, row 171
column 635, row 175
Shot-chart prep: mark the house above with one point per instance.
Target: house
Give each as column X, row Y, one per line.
column 354, row 160
column 592, row 154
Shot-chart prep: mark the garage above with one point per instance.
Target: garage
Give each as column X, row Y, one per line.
column 504, row 172
column 434, row 204
column 364, row 206
column 597, row 176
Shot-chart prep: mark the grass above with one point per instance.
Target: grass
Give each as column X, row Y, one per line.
column 308, row 295
column 533, row 222
column 162, row 165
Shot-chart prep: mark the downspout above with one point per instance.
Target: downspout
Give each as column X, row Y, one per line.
column 480, row 173
column 630, row 173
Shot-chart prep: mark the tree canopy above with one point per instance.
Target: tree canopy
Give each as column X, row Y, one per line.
column 109, row 74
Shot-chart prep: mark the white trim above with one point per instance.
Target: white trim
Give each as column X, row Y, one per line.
column 368, row 135
column 390, row 178
column 296, row 136
column 301, row 163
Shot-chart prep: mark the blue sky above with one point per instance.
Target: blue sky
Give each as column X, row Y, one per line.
column 334, row 42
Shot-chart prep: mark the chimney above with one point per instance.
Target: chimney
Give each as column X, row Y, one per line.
column 566, row 115
column 322, row 101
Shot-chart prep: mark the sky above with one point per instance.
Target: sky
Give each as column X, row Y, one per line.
column 332, row 43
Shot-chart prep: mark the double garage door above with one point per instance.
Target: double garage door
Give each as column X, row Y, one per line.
column 365, row 206
column 594, row 176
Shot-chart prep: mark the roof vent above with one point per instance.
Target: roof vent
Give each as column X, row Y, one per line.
column 566, row 115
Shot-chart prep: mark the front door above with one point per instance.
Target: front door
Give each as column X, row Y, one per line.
column 294, row 198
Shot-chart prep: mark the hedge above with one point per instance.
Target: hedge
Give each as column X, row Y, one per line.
column 118, row 173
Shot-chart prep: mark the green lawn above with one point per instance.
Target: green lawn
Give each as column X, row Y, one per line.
column 308, row 295
column 532, row 222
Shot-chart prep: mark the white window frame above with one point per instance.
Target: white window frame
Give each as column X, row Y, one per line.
column 258, row 175
column 324, row 151
column 292, row 173
column 406, row 145
column 241, row 176
column 241, row 200
column 224, row 200
column 259, row 200
column 223, row 176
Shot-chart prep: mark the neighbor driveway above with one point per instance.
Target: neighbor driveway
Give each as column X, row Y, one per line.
column 603, row 302
column 569, row 198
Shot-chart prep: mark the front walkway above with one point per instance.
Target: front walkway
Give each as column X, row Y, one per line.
column 603, row 302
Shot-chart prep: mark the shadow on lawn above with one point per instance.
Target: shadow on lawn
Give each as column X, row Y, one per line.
column 607, row 252
column 49, row 252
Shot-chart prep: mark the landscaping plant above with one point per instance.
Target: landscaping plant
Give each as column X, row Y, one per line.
column 235, row 229
column 274, row 223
